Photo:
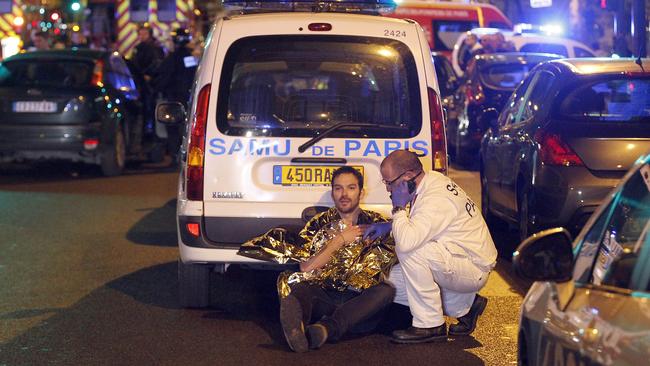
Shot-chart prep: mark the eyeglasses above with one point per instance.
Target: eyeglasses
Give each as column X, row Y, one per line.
column 390, row 182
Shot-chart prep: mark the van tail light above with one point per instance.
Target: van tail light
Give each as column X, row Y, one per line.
column 196, row 147
column 194, row 229
column 474, row 94
column 98, row 74
column 554, row 151
column 438, row 140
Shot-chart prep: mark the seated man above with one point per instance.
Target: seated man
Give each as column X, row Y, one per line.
column 340, row 284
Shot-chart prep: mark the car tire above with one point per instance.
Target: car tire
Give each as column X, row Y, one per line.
column 157, row 153
column 525, row 228
column 193, row 285
column 488, row 216
column 113, row 157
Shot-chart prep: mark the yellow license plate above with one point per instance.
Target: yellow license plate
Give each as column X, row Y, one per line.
column 305, row 175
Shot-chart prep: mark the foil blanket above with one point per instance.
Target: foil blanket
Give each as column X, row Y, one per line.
column 356, row 266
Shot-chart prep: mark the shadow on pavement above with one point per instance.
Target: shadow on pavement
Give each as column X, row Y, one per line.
column 57, row 171
column 136, row 319
column 158, row 227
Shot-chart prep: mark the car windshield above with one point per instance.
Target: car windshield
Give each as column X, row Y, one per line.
column 57, row 73
column 299, row 86
column 504, row 76
column 620, row 99
column 556, row 49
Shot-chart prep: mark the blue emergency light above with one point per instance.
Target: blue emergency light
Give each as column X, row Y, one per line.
column 375, row 7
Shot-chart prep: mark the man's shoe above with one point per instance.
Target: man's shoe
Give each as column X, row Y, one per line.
column 420, row 335
column 467, row 323
column 292, row 325
column 317, row 335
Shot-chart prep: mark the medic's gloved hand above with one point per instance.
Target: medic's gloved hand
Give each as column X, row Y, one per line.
column 400, row 195
column 377, row 230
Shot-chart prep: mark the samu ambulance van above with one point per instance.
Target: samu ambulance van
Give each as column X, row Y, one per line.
column 284, row 95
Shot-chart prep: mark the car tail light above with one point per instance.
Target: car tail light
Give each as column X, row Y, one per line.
column 196, row 146
column 438, row 142
column 554, row 151
column 91, row 144
column 474, row 94
column 194, row 229
column 98, row 74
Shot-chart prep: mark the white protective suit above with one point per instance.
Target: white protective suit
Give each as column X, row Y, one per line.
column 445, row 252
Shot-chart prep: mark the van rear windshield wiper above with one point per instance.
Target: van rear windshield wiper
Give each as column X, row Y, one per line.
column 329, row 131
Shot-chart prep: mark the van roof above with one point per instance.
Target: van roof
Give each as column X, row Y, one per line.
column 279, row 16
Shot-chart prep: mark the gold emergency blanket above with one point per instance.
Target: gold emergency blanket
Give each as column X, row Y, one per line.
column 357, row 265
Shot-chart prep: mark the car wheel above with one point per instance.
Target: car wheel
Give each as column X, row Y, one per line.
column 157, row 153
column 523, row 210
column 113, row 157
column 489, row 217
column 193, row 285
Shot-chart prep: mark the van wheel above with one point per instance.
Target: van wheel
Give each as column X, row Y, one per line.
column 193, row 285
column 113, row 157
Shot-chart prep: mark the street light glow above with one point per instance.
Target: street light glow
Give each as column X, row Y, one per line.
column 75, row 6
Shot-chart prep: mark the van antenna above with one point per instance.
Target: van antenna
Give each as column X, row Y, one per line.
column 638, row 59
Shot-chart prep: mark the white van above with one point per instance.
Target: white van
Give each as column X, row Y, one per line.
column 282, row 99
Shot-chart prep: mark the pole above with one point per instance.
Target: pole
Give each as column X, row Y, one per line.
column 638, row 12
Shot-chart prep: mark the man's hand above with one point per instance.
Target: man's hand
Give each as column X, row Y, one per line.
column 377, row 230
column 351, row 233
column 400, row 195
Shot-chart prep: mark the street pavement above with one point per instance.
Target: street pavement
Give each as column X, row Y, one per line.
column 88, row 277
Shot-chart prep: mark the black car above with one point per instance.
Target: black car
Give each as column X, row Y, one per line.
column 565, row 138
column 490, row 79
column 75, row 105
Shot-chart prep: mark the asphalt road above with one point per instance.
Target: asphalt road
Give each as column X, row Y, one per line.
column 88, row 277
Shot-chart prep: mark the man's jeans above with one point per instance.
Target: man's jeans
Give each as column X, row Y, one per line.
column 341, row 311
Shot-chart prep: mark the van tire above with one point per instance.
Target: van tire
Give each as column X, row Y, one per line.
column 113, row 156
column 193, row 285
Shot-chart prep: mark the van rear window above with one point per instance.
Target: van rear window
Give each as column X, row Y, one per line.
column 505, row 76
column 46, row 72
column 618, row 100
column 296, row 86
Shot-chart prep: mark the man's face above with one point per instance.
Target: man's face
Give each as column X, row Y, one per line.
column 346, row 193
column 40, row 42
column 393, row 177
column 143, row 35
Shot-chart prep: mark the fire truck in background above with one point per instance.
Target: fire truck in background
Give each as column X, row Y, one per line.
column 161, row 15
column 11, row 23
column 444, row 21
column 110, row 24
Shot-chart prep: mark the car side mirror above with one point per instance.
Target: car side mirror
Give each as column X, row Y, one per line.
column 489, row 118
column 545, row 256
column 170, row 113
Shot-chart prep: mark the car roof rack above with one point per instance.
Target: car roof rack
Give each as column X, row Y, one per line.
column 372, row 7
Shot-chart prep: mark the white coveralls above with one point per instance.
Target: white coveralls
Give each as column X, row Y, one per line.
column 445, row 252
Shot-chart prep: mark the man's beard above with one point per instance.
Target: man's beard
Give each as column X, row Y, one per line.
column 349, row 209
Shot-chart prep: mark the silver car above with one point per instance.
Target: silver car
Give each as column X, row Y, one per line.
column 591, row 302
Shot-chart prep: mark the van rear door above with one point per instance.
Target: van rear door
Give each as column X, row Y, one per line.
column 277, row 91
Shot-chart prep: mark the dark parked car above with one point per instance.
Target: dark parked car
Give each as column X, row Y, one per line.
column 490, row 80
column 76, row 105
column 447, row 81
column 589, row 305
column 566, row 137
